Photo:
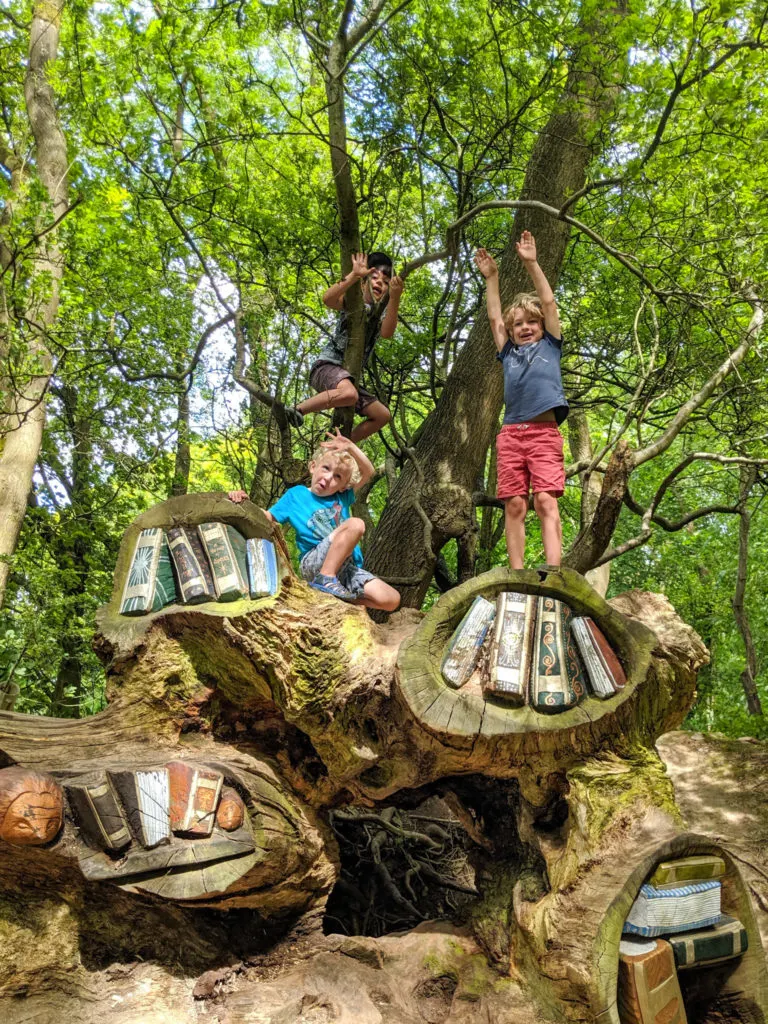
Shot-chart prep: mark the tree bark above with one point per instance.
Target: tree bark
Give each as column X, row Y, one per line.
column 747, row 478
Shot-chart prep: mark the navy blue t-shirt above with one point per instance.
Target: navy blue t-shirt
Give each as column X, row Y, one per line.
column 532, row 381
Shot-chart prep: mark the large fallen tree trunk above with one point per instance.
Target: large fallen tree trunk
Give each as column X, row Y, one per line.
column 286, row 726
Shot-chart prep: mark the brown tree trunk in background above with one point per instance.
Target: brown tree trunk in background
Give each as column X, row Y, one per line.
column 183, row 460
column 580, row 444
column 452, row 448
column 25, row 416
column 749, row 673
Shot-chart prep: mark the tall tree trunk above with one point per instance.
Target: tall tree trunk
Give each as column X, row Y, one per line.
column 749, row 674
column 451, row 450
column 580, row 444
column 183, row 460
column 26, row 396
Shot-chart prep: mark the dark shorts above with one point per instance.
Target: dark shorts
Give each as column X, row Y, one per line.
column 529, row 457
column 324, row 376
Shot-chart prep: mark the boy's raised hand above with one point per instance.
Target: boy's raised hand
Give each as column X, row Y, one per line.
column 336, row 442
column 485, row 263
column 526, row 247
column 360, row 266
column 396, row 286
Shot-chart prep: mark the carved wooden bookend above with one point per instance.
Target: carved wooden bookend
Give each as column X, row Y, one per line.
column 649, row 992
column 99, row 813
column 194, row 794
column 231, row 810
column 31, row 807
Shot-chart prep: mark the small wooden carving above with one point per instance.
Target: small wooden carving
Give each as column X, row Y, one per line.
column 557, row 681
column 464, row 646
column 31, row 807
column 194, row 794
column 606, row 676
column 229, row 576
column 649, row 992
column 192, row 569
column 145, row 797
column 263, row 575
column 512, row 646
column 231, row 812
column 99, row 813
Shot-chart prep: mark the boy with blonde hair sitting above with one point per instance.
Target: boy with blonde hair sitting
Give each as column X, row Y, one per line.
column 326, row 535
column 530, row 445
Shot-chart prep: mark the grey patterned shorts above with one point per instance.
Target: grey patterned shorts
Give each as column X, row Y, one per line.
column 351, row 576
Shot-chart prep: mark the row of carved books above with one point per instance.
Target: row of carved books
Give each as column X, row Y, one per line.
column 675, row 924
column 532, row 650
column 188, row 564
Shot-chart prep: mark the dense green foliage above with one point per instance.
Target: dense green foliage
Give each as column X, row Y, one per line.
column 201, row 186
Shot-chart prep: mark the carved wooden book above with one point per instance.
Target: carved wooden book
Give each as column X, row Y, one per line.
column 604, row 672
column 649, row 992
column 722, row 941
column 139, row 591
column 194, row 796
column 685, row 870
column 263, row 580
column 228, row 578
column 165, row 581
column 145, row 797
column 464, row 647
column 667, row 911
column 99, row 813
column 512, row 647
column 191, row 564
column 557, row 680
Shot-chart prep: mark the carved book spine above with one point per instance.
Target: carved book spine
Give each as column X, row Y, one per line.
column 263, row 578
column 194, row 796
column 165, row 581
column 512, row 647
column 227, row 577
column 191, row 564
column 557, row 681
column 668, row 911
column 145, row 797
column 464, row 648
column 723, row 941
column 671, row 873
column 604, row 671
column 99, row 814
column 139, row 591
column 649, row 992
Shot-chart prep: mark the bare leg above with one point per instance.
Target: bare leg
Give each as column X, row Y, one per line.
column 343, row 541
column 515, row 509
column 377, row 416
column 343, row 395
column 378, row 594
column 551, row 530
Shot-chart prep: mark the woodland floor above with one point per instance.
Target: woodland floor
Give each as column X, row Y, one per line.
column 434, row 974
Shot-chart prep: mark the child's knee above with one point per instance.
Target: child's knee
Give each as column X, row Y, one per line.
column 384, row 416
column 515, row 507
column 354, row 525
column 546, row 505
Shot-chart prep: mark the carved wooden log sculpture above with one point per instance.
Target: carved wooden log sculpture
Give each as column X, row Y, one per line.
column 235, row 727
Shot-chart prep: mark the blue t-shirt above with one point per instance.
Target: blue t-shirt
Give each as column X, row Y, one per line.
column 532, row 381
column 313, row 517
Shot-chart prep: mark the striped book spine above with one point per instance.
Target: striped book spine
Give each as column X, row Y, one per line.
column 648, row 990
column 668, row 911
column 604, row 671
column 165, row 581
column 262, row 567
column 723, row 941
column 557, row 681
column 145, row 796
column 99, row 813
column 191, row 564
column 139, row 590
column 512, row 647
column 194, row 795
column 227, row 577
column 464, row 646
column 671, row 873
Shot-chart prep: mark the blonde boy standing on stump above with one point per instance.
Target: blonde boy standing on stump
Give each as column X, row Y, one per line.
column 530, row 446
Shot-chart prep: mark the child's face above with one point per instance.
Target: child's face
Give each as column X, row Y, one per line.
column 526, row 327
column 329, row 476
column 378, row 284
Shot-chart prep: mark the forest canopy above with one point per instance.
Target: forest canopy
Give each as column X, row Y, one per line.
column 179, row 184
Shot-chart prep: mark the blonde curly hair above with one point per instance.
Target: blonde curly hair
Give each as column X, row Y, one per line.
column 529, row 303
column 344, row 458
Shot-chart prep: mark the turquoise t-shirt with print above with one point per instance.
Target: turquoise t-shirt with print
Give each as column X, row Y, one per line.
column 313, row 517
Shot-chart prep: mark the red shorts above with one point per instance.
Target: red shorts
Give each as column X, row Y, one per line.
column 529, row 457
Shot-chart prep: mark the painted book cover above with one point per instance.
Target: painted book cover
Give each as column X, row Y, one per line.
column 192, row 570
column 263, row 578
column 722, row 941
column 145, row 797
column 668, row 911
column 165, row 580
column 512, row 651
column 603, row 669
column 99, row 813
column 194, row 796
column 139, row 590
column 557, row 679
column 465, row 645
column 227, row 577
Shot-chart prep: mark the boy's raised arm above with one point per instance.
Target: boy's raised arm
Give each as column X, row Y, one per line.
column 486, row 264
column 334, row 296
column 389, row 320
column 526, row 250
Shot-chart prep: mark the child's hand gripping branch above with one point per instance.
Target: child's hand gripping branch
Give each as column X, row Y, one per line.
column 529, row 447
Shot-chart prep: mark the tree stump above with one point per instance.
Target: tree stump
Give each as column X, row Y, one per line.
column 201, row 802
